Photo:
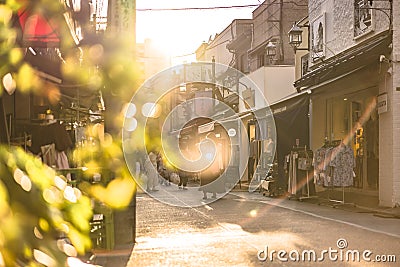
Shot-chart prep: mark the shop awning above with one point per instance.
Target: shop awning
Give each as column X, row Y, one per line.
column 363, row 54
column 38, row 29
column 42, row 34
column 292, row 123
column 50, row 69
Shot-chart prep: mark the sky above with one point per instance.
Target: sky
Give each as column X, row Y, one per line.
column 181, row 32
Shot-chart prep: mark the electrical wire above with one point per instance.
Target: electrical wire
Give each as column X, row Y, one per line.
column 185, row 55
column 215, row 7
column 196, row 8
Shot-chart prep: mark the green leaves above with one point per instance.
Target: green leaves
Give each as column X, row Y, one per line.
column 37, row 204
column 29, row 221
column 104, row 157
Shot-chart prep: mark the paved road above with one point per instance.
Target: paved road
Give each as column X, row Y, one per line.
column 235, row 230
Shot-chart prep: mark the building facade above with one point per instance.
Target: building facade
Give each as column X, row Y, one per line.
column 271, row 22
column 351, row 77
column 268, row 79
column 219, row 48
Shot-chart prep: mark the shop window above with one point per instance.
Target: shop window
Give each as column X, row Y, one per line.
column 362, row 17
column 338, row 118
column 304, row 64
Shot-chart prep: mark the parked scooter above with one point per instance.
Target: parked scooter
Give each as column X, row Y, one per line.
column 269, row 186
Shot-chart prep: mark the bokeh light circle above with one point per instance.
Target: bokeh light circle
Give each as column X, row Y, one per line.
column 182, row 116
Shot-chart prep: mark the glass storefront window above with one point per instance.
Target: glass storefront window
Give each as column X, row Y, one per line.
column 352, row 118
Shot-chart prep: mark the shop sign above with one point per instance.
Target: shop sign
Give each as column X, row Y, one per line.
column 318, row 38
column 208, row 127
column 279, row 110
column 382, row 103
column 122, row 17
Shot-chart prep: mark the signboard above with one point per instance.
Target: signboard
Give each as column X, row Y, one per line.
column 318, row 38
column 382, row 103
column 122, row 18
column 362, row 17
column 205, row 128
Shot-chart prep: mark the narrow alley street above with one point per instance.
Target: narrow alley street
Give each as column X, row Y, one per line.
column 237, row 229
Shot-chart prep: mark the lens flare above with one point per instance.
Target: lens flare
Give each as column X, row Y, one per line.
column 181, row 116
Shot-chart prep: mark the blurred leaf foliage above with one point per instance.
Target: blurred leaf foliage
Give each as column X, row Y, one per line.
column 35, row 211
column 37, row 205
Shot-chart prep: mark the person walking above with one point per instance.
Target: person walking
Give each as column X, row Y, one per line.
column 164, row 175
column 212, row 182
column 150, row 167
column 252, row 158
column 183, row 179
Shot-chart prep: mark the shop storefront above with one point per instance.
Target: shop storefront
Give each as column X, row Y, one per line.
column 292, row 126
column 344, row 93
column 350, row 116
column 257, row 144
column 271, row 135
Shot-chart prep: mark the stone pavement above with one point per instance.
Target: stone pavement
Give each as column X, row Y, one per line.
column 351, row 201
column 174, row 196
column 174, row 236
column 212, row 235
column 195, row 233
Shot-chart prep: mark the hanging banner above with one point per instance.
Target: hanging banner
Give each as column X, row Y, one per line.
column 122, row 18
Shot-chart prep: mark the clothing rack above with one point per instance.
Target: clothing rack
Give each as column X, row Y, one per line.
column 342, row 201
column 308, row 195
column 337, row 202
column 302, row 153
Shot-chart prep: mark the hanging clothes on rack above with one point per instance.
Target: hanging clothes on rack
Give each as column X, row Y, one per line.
column 300, row 164
column 343, row 162
column 50, row 141
column 292, row 178
column 48, row 155
column 54, row 133
column 321, row 163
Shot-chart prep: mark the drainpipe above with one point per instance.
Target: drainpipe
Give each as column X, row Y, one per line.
column 282, row 54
